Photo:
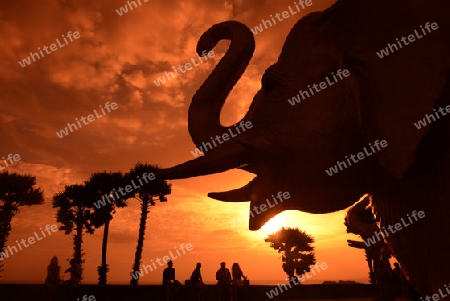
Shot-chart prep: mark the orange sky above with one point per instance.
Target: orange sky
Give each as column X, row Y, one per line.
column 117, row 58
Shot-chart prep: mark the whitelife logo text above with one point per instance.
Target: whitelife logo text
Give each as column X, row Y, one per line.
column 10, row 158
column 31, row 241
column 381, row 235
column 170, row 75
column 411, row 38
column 90, row 118
column 302, row 95
column 204, row 147
column 27, row 61
column 138, row 274
column 334, row 169
column 114, row 195
column 280, row 17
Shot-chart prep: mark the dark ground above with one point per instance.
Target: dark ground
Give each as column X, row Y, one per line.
column 30, row 292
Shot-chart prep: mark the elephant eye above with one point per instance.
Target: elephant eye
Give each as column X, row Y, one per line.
column 269, row 82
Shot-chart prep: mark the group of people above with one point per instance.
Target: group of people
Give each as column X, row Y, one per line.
column 228, row 284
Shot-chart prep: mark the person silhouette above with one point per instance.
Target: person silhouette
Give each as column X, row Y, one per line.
column 170, row 284
column 238, row 279
column 75, row 277
column 223, row 277
column 238, row 276
column 197, row 282
column 53, row 278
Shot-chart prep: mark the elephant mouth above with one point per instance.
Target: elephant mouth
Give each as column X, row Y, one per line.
column 262, row 206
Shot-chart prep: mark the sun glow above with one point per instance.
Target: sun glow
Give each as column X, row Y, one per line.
column 322, row 225
column 274, row 224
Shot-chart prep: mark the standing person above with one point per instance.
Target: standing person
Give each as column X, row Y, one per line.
column 170, row 285
column 75, row 277
column 223, row 278
column 238, row 279
column 197, row 282
column 53, row 279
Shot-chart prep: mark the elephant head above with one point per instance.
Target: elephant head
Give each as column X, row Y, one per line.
column 282, row 137
column 290, row 147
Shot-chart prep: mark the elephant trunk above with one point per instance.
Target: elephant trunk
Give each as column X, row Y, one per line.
column 229, row 158
column 204, row 111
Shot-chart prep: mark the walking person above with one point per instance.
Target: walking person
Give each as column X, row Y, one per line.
column 53, row 279
column 223, row 277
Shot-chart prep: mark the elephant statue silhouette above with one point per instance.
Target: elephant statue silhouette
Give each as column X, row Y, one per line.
column 387, row 87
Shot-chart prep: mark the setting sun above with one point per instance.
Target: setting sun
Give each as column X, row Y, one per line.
column 274, row 225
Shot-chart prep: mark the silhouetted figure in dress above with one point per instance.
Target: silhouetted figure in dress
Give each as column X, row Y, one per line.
column 170, row 284
column 238, row 279
column 197, row 282
column 53, row 279
column 223, row 277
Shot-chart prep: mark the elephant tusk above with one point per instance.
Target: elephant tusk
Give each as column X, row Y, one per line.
column 236, row 195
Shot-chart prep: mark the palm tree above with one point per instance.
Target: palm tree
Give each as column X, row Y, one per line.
column 151, row 188
column 73, row 212
column 15, row 190
column 296, row 253
column 103, row 186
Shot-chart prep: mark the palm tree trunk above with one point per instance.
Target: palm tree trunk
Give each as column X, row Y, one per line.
column 140, row 245
column 103, row 269
column 78, row 239
column 5, row 226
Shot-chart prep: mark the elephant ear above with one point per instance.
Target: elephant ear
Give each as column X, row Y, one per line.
column 395, row 92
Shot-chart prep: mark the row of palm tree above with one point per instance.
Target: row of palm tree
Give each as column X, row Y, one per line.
column 76, row 210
